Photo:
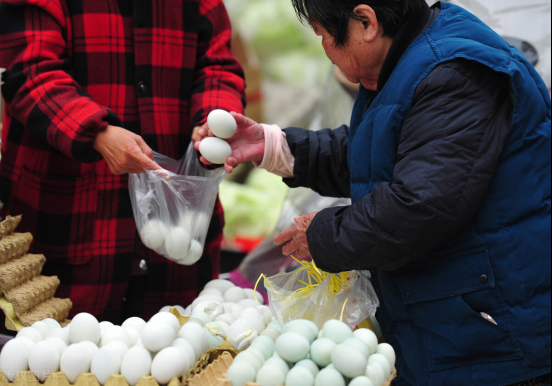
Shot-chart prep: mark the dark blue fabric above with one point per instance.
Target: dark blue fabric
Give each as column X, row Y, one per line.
column 500, row 263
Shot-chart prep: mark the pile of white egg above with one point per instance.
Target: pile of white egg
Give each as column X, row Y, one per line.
column 223, row 125
column 160, row 347
column 304, row 356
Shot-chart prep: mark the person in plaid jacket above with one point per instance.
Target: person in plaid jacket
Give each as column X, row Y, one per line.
column 92, row 86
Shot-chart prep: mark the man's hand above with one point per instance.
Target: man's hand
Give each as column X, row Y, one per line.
column 124, row 151
column 248, row 144
column 297, row 237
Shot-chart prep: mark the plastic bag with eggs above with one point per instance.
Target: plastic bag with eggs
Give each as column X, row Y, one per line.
column 173, row 215
column 355, row 302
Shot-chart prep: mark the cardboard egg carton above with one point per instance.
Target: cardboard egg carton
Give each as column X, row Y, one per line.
column 26, row 296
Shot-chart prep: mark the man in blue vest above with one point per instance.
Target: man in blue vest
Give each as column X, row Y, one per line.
column 447, row 162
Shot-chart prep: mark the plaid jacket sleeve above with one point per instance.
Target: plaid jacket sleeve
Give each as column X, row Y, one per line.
column 39, row 86
column 219, row 80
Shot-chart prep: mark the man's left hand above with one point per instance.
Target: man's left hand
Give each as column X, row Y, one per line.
column 297, row 237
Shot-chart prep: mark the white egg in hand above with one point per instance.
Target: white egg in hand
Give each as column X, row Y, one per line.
column 222, row 124
column 215, row 150
column 14, row 358
column 153, row 233
column 43, row 360
column 169, row 363
column 177, row 243
column 136, row 364
column 75, row 360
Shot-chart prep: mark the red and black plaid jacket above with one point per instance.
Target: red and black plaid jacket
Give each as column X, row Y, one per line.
column 154, row 67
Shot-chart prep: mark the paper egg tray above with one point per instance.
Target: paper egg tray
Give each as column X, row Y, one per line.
column 215, row 374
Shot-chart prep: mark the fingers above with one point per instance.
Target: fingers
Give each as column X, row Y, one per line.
column 285, row 236
column 146, row 163
column 144, row 147
column 290, row 247
column 242, row 120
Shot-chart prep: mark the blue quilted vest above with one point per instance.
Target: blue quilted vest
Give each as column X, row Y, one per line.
column 501, row 264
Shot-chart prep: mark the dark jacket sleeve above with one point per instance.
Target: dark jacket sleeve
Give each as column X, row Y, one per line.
column 320, row 161
column 449, row 150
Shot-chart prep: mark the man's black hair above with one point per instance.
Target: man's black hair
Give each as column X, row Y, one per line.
column 334, row 15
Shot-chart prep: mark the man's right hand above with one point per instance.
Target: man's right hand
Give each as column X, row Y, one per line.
column 124, row 151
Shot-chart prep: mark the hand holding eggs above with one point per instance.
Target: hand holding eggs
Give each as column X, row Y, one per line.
column 224, row 126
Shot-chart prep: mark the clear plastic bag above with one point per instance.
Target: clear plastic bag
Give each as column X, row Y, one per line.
column 173, row 216
column 289, row 299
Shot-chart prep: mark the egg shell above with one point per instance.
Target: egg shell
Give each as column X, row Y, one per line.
column 121, row 348
column 384, row 363
column 14, row 358
column 310, row 365
column 85, row 327
column 204, row 298
column 358, row 345
column 31, row 333
column 388, row 351
column 42, row 327
column 134, row 322
column 133, row 335
column 90, row 347
column 115, row 333
column 104, row 326
column 215, row 150
column 321, row 351
column 254, row 317
column 302, row 329
column 183, row 344
column 60, row 333
column 194, row 253
column 169, row 363
column 177, row 243
column 270, row 375
column 266, row 312
column 329, row 377
column 369, row 338
column 278, row 362
column 225, row 326
column 28, row 341
column 337, row 331
column 105, row 363
column 299, row 376
column 250, row 358
column 234, row 295
column 272, row 333
column 52, row 323
column 241, row 333
column 196, row 336
column 153, row 234
column 59, row 344
column 292, row 347
column 222, row 124
column 226, row 318
column 361, row 381
column 220, row 284
column 348, row 361
column 168, row 318
column 251, row 295
column 43, row 360
column 203, row 316
column 212, row 309
column 157, row 335
column 74, row 361
column 211, row 291
column 240, row 373
column 215, row 335
column 196, row 321
column 375, row 374
column 136, row 364
column 181, row 310
column 248, row 303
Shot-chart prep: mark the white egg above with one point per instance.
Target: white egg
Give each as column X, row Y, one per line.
column 153, row 234
column 358, row 345
column 267, row 341
column 225, row 326
column 188, row 311
column 257, row 353
column 74, row 361
column 299, row 376
column 250, row 358
column 226, row 318
column 181, row 310
column 90, row 347
column 52, row 323
column 104, row 326
column 14, row 358
column 375, row 374
column 169, row 363
column 266, row 312
column 276, row 325
column 115, row 333
column 272, row 333
column 310, row 365
column 388, row 351
column 263, row 348
column 321, row 351
column 31, row 333
column 222, row 124
column 215, row 335
column 196, row 336
column 28, row 341
column 241, row 333
column 212, row 309
column 157, row 335
column 220, row 284
column 194, row 253
column 135, row 322
column 133, row 334
column 85, row 327
column 42, row 327
column 348, row 361
column 248, row 303
column 196, row 321
column 215, row 150
column 240, row 373
column 384, row 363
column 292, row 347
column 201, row 316
column 337, row 331
column 369, row 338
column 183, row 344
column 251, row 295
column 270, row 375
column 168, row 318
column 211, row 291
column 311, row 325
column 105, row 363
column 232, row 308
column 255, row 318
column 329, row 377
column 302, row 329
column 278, row 362
column 234, row 295
column 120, row 347
column 177, row 243
column 59, row 344
column 204, row 298
column 361, row 381
column 165, row 309
column 43, row 360
column 60, row 333
column 136, row 364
